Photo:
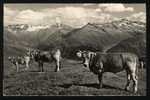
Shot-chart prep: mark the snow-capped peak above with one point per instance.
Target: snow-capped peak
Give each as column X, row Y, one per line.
column 36, row 28
column 141, row 16
column 24, row 27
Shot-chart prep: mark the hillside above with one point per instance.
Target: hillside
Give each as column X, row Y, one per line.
column 52, row 37
column 16, row 36
column 135, row 44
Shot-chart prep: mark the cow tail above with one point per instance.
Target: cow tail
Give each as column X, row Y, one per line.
column 141, row 64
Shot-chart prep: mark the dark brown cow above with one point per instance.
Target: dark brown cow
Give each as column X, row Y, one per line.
column 99, row 63
column 46, row 57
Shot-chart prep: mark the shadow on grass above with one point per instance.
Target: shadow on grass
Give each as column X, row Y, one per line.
column 92, row 85
column 34, row 71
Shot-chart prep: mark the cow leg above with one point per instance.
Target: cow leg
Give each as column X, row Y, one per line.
column 128, row 81
column 27, row 65
column 132, row 71
column 39, row 66
column 17, row 67
column 135, row 82
column 141, row 65
column 42, row 69
column 57, row 66
column 100, row 76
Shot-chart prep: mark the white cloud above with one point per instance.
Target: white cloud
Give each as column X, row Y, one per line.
column 9, row 14
column 98, row 10
column 29, row 17
column 73, row 12
column 73, row 16
column 88, row 4
column 115, row 8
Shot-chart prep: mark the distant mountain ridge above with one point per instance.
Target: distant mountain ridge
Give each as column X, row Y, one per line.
column 98, row 37
column 135, row 45
column 92, row 36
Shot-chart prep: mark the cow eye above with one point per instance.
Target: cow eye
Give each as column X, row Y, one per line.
column 97, row 64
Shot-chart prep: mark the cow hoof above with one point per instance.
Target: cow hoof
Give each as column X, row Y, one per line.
column 127, row 89
column 40, row 72
column 135, row 91
column 100, row 87
column 56, row 70
column 26, row 69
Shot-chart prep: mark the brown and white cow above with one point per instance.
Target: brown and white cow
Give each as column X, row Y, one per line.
column 99, row 63
column 42, row 57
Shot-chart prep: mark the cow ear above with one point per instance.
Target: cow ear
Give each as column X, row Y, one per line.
column 79, row 51
column 9, row 57
column 91, row 55
column 78, row 54
column 27, row 49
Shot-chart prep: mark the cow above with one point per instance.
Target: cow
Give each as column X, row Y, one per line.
column 99, row 63
column 20, row 60
column 42, row 57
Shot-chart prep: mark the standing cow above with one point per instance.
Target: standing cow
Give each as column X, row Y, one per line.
column 99, row 63
column 42, row 57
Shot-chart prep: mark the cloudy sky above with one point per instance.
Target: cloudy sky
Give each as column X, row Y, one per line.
column 75, row 15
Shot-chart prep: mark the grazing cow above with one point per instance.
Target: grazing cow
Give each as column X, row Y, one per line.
column 99, row 63
column 20, row 61
column 46, row 57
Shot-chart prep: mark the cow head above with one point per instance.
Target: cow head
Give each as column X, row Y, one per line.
column 30, row 53
column 35, row 54
column 79, row 54
column 20, row 59
column 86, row 56
column 11, row 58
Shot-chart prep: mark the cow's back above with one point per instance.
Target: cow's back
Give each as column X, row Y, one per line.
column 113, row 62
column 45, row 56
column 49, row 56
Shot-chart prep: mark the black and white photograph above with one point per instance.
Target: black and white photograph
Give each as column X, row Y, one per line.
column 74, row 49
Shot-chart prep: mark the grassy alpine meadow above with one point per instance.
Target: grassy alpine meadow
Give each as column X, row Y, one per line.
column 97, row 28
column 72, row 80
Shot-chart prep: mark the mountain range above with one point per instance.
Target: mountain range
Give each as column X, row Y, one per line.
column 119, row 35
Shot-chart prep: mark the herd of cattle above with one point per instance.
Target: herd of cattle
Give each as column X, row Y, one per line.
column 38, row 56
column 97, row 62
